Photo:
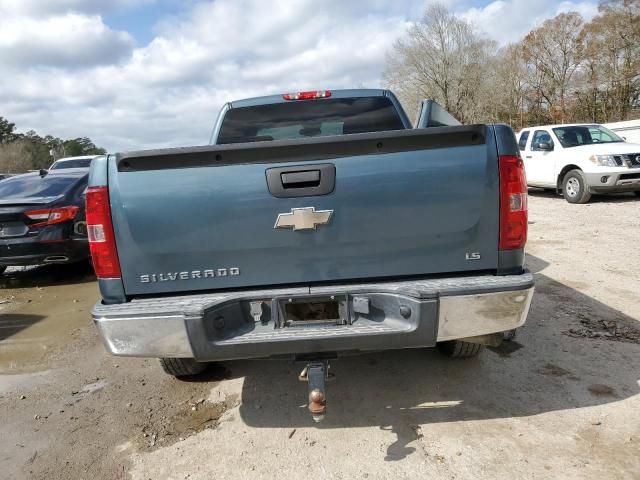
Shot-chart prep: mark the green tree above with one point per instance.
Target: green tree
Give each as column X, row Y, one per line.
column 81, row 146
column 20, row 152
column 7, row 131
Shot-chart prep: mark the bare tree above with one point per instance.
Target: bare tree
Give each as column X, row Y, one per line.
column 440, row 57
column 509, row 87
column 14, row 157
column 612, row 61
column 553, row 53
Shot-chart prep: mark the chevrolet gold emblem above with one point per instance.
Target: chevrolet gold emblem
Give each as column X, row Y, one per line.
column 303, row 218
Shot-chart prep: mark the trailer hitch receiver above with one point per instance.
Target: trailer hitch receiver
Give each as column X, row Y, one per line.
column 316, row 373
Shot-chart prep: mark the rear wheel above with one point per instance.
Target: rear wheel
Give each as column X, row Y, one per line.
column 459, row 349
column 575, row 188
column 509, row 335
column 182, row 367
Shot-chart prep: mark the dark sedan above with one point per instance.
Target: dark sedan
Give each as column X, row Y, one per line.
column 42, row 218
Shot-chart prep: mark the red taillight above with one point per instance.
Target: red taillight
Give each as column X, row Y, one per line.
column 102, row 242
column 513, row 203
column 307, row 95
column 51, row 216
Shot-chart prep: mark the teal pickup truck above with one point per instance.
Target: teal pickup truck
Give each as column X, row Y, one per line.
column 315, row 223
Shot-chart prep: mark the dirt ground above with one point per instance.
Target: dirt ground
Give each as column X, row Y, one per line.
column 561, row 401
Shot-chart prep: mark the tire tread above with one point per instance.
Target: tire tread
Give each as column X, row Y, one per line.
column 460, row 349
column 182, row 367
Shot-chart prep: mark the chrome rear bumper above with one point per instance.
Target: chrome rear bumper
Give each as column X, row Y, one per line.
column 403, row 314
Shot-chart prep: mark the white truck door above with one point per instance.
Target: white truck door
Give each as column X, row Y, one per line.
column 523, row 145
column 539, row 160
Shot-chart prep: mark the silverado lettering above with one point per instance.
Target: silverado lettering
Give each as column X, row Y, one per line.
column 169, row 277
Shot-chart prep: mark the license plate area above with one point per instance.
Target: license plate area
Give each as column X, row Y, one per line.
column 302, row 311
column 13, row 229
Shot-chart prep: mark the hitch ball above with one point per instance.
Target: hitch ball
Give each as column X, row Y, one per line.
column 317, row 404
column 316, row 396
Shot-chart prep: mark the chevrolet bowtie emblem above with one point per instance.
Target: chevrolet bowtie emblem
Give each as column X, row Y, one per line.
column 303, row 218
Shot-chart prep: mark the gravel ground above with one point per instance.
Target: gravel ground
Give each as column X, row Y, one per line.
column 561, row 401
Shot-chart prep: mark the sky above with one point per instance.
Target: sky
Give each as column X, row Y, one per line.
column 136, row 74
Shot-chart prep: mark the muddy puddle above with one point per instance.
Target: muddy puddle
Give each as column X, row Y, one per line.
column 187, row 420
column 42, row 310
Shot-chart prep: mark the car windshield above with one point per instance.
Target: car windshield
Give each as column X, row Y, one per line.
column 32, row 186
column 78, row 163
column 577, row 135
column 310, row 118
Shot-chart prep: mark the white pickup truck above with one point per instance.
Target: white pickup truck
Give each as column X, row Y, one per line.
column 579, row 160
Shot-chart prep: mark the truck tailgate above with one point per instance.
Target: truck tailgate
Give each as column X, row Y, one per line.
column 403, row 203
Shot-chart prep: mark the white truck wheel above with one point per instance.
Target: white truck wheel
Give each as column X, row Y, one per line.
column 575, row 188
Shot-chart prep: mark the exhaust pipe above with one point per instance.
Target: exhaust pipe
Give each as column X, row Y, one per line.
column 56, row 259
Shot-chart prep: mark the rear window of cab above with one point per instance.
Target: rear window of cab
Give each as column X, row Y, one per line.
column 309, row 118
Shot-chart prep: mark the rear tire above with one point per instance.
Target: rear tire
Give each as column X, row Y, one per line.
column 575, row 188
column 182, row 367
column 509, row 335
column 459, row 349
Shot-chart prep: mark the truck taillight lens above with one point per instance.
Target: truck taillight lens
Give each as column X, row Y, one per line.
column 51, row 216
column 102, row 242
column 513, row 203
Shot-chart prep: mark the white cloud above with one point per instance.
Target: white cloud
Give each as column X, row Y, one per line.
column 71, row 75
column 509, row 21
column 169, row 92
column 47, row 7
column 65, row 41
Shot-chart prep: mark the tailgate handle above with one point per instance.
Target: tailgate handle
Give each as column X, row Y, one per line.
column 301, row 180
column 309, row 178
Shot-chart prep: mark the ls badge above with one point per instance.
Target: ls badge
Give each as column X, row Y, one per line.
column 303, row 218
